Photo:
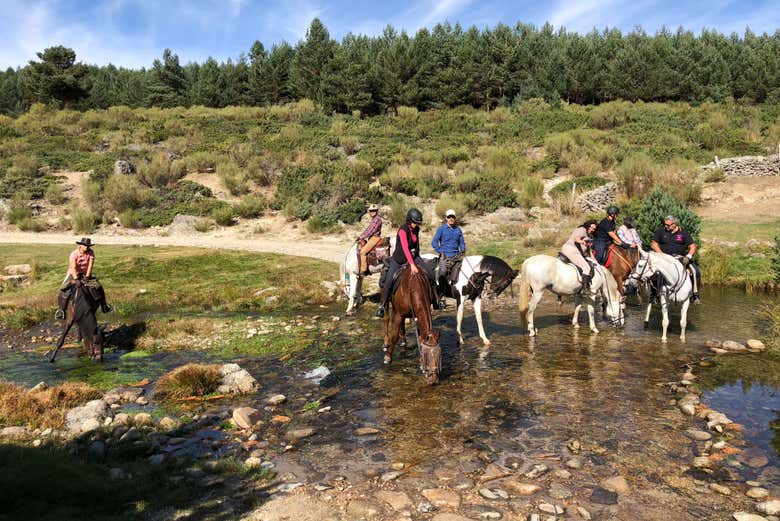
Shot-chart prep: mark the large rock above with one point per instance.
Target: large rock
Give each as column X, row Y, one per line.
column 442, row 498
column 123, row 395
column 616, row 484
column 397, row 500
column 297, row 507
column 236, row 380
column 78, row 417
column 736, row 347
column 771, row 508
column 13, row 432
column 745, row 516
column 756, row 345
column 122, row 167
column 18, row 269
column 187, row 224
column 246, row 417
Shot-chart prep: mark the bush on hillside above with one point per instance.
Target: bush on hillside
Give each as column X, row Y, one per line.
column 161, row 171
column 636, row 175
column 656, row 207
column 251, row 206
column 124, row 192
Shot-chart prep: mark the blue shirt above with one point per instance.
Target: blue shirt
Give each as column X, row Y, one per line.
column 448, row 241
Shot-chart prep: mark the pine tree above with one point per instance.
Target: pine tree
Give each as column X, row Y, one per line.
column 311, row 57
column 56, row 79
column 167, row 85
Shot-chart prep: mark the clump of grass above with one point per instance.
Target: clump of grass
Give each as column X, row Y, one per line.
column 716, row 175
column 251, row 206
column 31, row 224
column 188, row 380
column 203, row 226
column 54, row 194
column 223, row 215
column 83, row 221
column 47, row 408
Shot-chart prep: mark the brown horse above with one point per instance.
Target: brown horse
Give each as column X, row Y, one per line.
column 81, row 310
column 413, row 300
column 624, row 261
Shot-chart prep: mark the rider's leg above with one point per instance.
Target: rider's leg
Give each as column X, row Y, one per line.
column 66, row 288
column 391, row 270
column 696, row 281
column 370, row 244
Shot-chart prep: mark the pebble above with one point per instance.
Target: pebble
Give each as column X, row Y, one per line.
column 731, row 345
column 753, row 483
column 299, row 434
column 744, row 516
column 325, row 409
column 701, row 462
column 720, row 489
column 562, row 474
column 37, row 443
column 132, row 434
column 487, row 493
column 575, row 463
column 157, row 459
column 616, row 484
column 550, row 509
column 757, row 493
column 771, row 508
column 536, row 471
column 574, row 446
column 441, row 497
column 492, row 472
column 603, row 496
column 584, row 514
column 755, row 344
column 698, row 435
column 253, row 462
column 390, row 476
column 40, row 386
column 143, row 419
column 754, row 457
column 397, row 500
column 523, row 489
column 246, row 417
column 367, row 431
column 142, row 400
column 280, row 419
column 276, row 399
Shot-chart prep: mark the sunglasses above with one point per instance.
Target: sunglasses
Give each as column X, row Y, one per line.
column 450, row 217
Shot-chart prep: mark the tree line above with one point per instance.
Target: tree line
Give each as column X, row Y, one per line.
column 443, row 67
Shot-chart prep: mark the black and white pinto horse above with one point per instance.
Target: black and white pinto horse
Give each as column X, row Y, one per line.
column 476, row 271
column 675, row 286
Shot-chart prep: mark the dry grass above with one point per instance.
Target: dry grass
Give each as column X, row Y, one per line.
column 188, row 380
column 47, row 408
column 176, row 334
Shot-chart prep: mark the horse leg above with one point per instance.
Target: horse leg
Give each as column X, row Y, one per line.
column 461, row 307
column 402, row 334
column 575, row 319
column 647, row 314
column 398, row 321
column 665, row 319
column 684, row 318
column 351, row 291
column 591, row 320
column 478, row 313
column 387, row 348
column 61, row 340
column 535, row 298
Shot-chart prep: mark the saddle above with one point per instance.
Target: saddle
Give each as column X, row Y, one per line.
column 566, row 260
column 396, row 282
column 378, row 254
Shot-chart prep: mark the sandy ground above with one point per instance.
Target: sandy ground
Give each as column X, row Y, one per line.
column 742, row 199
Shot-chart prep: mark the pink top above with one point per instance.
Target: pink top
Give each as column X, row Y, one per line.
column 405, row 245
column 82, row 260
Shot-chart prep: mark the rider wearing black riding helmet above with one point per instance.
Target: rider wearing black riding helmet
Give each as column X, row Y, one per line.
column 606, row 235
column 407, row 250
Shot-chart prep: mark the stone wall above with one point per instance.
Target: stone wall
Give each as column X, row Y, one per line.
column 748, row 166
column 598, row 199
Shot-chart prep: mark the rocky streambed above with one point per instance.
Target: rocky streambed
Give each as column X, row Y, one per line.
column 563, row 426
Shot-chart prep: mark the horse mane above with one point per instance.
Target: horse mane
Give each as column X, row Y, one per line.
column 499, row 270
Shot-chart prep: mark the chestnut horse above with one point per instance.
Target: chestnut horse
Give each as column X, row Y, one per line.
column 412, row 300
column 81, row 310
column 624, row 260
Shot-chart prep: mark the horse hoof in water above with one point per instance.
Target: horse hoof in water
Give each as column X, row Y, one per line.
column 350, row 312
column 387, row 360
column 402, row 344
column 485, row 341
column 431, row 378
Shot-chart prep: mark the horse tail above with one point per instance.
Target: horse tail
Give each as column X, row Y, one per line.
column 525, row 294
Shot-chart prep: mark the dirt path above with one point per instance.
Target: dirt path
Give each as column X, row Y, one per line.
column 325, row 248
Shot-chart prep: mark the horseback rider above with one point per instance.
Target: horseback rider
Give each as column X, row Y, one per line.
column 370, row 237
column 605, row 235
column 449, row 243
column 80, row 264
column 628, row 233
column 407, row 250
column 577, row 248
column 671, row 239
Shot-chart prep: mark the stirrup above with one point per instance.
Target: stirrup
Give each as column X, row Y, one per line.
column 59, row 315
column 105, row 308
column 380, row 312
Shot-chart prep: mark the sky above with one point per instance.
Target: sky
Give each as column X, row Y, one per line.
column 133, row 33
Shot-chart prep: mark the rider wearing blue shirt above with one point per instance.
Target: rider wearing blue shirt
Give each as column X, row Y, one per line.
column 448, row 242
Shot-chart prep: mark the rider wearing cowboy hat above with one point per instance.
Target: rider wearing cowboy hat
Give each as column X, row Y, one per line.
column 80, row 264
column 371, row 235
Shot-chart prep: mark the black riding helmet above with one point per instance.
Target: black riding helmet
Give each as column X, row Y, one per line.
column 414, row 215
column 613, row 210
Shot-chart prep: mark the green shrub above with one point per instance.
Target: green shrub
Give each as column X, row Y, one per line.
column 609, row 115
column 455, row 201
column 124, row 192
column 776, row 261
column 531, row 192
column 132, row 218
column 31, row 224
column 162, row 171
column 201, row 161
column 636, row 175
column 233, row 178
column 716, row 175
column 54, row 194
column 656, row 207
column 350, row 144
column 203, row 226
column 300, row 210
column 321, row 224
column 584, row 167
column 251, row 206
column 398, row 208
column 22, row 167
column 83, row 221
column 223, row 215
column 548, row 163
column 241, row 154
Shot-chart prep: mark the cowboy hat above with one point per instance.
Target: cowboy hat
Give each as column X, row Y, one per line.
column 373, row 208
column 86, row 241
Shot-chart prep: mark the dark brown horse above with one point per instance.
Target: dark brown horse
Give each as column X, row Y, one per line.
column 624, row 261
column 413, row 300
column 81, row 310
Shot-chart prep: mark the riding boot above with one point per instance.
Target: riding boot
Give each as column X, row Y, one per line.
column 586, row 278
column 380, row 311
column 105, row 307
column 695, row 298
column 62, row 304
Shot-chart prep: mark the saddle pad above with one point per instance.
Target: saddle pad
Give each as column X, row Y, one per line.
column 608, row 263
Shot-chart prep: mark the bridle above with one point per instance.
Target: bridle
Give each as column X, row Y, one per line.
column 670, row 288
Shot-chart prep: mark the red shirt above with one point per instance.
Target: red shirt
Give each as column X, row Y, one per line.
column 82, row 260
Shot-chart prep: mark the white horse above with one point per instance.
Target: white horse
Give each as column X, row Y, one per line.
column 676, row 286
column 351, row 281
column 543, row 272
column 475, row 270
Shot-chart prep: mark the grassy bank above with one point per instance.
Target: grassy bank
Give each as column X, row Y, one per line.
column 169, row 280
